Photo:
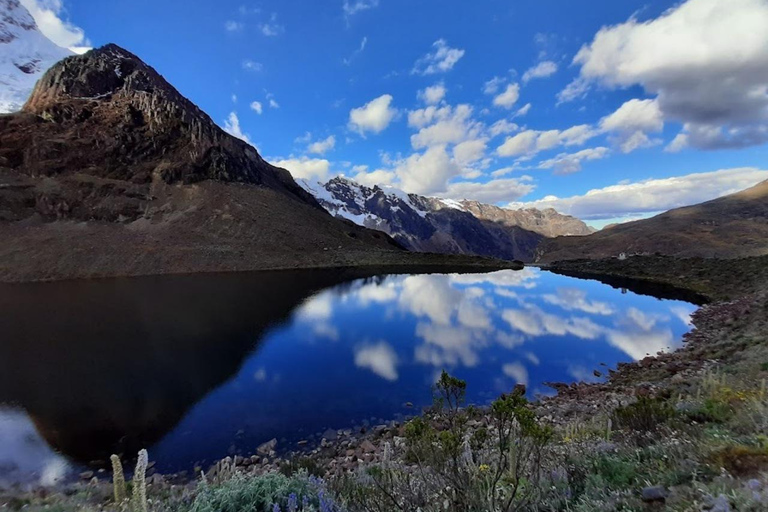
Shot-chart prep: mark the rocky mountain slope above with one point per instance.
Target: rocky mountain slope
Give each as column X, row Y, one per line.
column 429, row 224
column 728, row 227
column 25, row 54
column 109, row 170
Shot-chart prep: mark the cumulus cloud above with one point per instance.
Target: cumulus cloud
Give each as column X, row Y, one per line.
column 705, row 61
column 444, row 125
column 653, row 195
column 380, row 358
column 492, row 86
column 509, row 97
column 321, row 147
column 232, row 127
column 632, row 122
column 501, row 127
column 51, row 19
column 543, row 69
column 427, row 172
column 317, row 169
column 568, row 163
column 432, row 95
column 575, row 299
column 531, row 142
column 440, row 60
column 374, row 116
column 523, row 110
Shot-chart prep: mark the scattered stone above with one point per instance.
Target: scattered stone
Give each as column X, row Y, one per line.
column 86, row 475
column 654, row 493
column 267, row 448
column 597, row 373
column 302, row 442
column 330, row 435
column 721, row 504
column 367, row 447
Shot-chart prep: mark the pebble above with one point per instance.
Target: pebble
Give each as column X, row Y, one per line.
column 86, row 475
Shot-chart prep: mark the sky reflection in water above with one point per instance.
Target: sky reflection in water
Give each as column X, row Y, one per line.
column 357, row 353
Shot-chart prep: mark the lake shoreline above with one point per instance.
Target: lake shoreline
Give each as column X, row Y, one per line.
column 727, row 336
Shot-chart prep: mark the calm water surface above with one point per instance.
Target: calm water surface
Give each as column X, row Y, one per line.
column 199, row 367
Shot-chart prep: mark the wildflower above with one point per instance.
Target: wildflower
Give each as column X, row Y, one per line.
column 484, row 468
column 275, row 508
column 292, row 502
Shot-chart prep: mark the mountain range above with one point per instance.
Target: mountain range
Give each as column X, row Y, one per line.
column 428, row 224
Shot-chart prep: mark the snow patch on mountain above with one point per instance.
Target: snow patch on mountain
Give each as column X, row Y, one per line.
column 25, row 54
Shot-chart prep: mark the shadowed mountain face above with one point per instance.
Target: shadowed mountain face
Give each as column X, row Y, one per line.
column 108, row 170
column 728, row 227
column 118, row 362
column 428, row 224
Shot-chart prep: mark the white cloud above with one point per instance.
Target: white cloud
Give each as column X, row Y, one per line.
column 232, row 127
column 428, row 172
column 374, row 116
column 317, row 169
column 250, row 65
column 568, row 163
column 705, row 61
column 233, row 26
column 651, row 195
column 533, row 321
column 380, row 358
column 348, row 60
column 493, row 191
column 509, row 97
column 432, row 95
column 273, row 103
column 502, row 126
column 531, row 142
column 469, row 151
column 492, row 86
column 352, row 7
column 322, row 146
column 51, row 18
column 543, row 69
column 271, row 28
column 441, row 60
column 516, row 371
column 523, row 110
column 632, row 122
column 257, row 107
column 445, row 125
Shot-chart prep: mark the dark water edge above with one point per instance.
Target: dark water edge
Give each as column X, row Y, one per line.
column 638, row 286
column 156, row 347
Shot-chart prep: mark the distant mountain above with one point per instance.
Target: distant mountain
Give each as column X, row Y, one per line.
column 429, row 224
column 109, row 170
column 728, row 227
column 25, row 54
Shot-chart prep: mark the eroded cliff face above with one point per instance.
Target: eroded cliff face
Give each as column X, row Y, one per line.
column 548, row 222
column 109, row 170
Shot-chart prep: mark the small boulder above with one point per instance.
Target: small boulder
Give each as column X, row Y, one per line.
column 654, row 493
column 267, row 448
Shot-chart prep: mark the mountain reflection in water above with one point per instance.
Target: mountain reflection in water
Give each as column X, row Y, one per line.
column 199, row 367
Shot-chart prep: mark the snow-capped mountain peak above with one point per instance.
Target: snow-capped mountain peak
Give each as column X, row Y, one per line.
column 442, row 225
column 25, row 54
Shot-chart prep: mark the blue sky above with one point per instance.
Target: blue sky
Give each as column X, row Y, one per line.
column 615, row 91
